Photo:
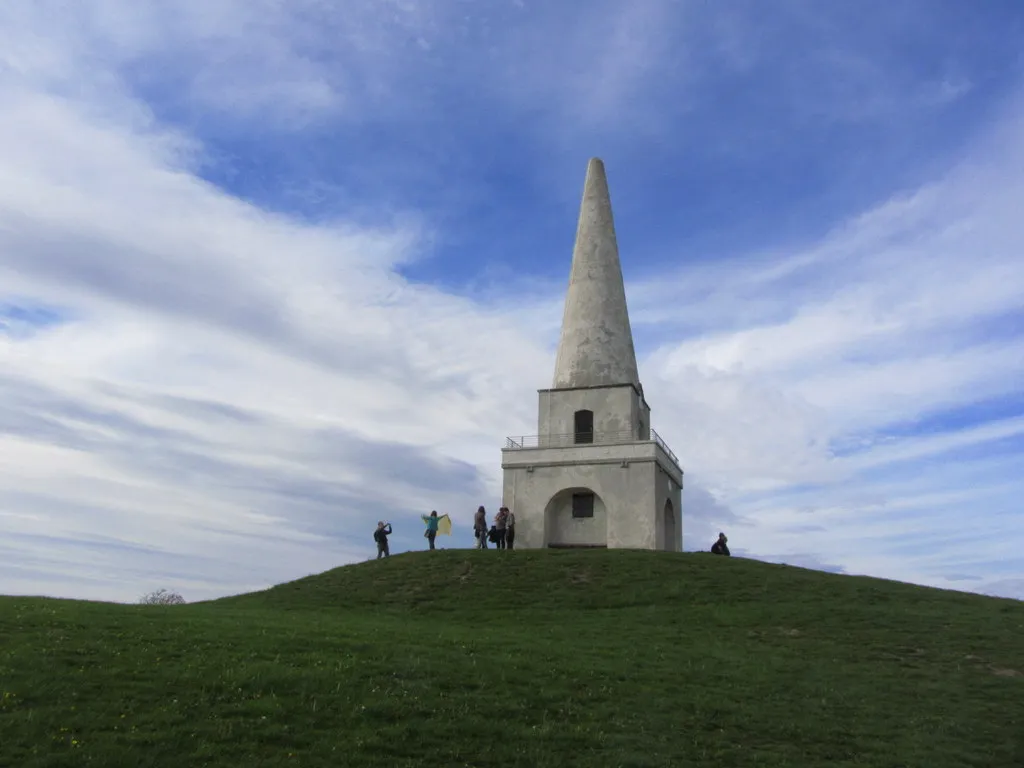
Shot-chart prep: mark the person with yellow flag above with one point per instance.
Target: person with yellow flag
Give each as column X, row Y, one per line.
column 436, row 525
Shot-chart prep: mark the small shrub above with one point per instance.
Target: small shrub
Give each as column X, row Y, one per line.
column 162, row 597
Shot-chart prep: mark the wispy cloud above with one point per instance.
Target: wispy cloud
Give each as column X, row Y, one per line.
column 271, row 272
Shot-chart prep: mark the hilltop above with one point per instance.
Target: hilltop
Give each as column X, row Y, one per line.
column 531, row 658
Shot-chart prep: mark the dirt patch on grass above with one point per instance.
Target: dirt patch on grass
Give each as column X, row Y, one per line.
column 994, row 669
column 579, row 577
column 1005, row 672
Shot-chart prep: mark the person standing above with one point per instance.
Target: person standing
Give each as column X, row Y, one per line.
column 381, row 537
column 510, row 528
column 480, row 527
column 431, row 522
column 500, row 520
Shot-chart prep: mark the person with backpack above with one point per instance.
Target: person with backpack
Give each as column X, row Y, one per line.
column 381, row 537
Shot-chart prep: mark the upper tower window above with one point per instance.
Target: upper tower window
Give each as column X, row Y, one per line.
column 584, row 432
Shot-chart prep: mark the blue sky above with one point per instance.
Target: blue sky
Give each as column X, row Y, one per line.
column 270, row 272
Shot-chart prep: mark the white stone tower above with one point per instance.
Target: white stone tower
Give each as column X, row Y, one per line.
column 596, row 474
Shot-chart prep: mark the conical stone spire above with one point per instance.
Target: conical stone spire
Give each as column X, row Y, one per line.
column 596, row 346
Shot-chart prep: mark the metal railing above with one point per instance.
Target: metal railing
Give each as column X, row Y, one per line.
column 664, row 446
column 570, row 438
column 584, row 438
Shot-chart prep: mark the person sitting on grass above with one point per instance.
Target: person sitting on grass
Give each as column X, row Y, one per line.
column 719, row 547
column 381, row 537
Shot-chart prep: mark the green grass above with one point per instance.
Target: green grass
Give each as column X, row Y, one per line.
column 461, row 658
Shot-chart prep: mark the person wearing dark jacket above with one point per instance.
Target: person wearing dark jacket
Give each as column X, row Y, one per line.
column 720, row 547
column 500, row 520
column 381, row 537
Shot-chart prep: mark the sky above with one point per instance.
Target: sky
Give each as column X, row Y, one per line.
column 272, row 271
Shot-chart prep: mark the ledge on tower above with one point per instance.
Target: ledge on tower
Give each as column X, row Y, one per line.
column 582, row 440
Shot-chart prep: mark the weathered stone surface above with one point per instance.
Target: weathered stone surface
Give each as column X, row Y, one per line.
column 596, row 346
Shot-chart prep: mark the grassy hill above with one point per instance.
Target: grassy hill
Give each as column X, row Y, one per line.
column 561, row 658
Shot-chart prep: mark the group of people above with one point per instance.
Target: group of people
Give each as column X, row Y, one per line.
column 502, row 532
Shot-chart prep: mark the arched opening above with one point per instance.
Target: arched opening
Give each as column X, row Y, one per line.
column 584, row 427
column 670, row 533
column 575, row 518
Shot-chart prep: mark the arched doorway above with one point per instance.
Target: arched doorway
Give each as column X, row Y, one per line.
column 575, row 517
column 669, row 531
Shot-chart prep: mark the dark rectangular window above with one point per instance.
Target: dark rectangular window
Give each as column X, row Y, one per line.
column 584, row 426
column 583, row 505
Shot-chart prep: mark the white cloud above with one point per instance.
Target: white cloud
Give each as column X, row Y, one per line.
column 235, row 395
column 298, row 348
column 905, row 312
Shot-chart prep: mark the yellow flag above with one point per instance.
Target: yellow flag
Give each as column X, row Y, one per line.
column 444, row 525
